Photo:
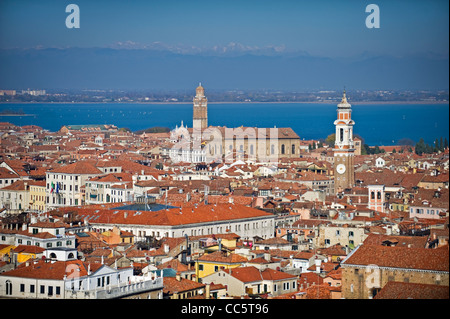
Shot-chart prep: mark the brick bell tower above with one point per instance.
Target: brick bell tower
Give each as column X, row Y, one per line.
column 344, row 150
column 200, row 118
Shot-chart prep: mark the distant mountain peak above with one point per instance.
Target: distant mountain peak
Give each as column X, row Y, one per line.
column 230, row 49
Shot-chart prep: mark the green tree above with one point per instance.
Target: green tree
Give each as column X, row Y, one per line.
column 436, row 146
column 420, row 147
column 366, row 150
column 331, row 139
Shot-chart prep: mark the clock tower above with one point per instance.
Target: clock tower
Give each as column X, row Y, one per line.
column 344, row 150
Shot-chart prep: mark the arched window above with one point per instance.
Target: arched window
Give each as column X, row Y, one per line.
column 52, row 255
column 293, row 149
column 282, row 149
column 272, row 149
column 372, row 195
column 70, row 256
column 8, row 287
column 378, row 195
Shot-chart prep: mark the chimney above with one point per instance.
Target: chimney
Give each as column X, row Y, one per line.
column 317, row 262
column 207, row 290
column 178, row 277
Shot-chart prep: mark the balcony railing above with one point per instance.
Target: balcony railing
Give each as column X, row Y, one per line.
column 137, row 285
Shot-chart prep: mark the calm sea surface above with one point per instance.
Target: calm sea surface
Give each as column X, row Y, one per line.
column 378, row 124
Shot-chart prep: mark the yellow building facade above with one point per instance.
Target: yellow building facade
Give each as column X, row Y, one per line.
column 216, row 261
column 37, row 197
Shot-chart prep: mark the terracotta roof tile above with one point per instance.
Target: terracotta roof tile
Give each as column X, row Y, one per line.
column 221, row 257
column 400, row 257
column 251, row 274
column 403, row 290
column 173, row 285
column 81, row 168
column 49, row 270
column 173, row 216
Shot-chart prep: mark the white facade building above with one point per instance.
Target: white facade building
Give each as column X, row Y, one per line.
column 64, row 184
column 75, row 279
column 209, row 219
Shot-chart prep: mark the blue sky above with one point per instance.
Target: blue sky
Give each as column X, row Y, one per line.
column 325, row 28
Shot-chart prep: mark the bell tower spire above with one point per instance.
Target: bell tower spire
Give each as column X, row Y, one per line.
column 344, row 150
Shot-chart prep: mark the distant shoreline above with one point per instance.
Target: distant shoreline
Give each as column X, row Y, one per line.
column 234, row 102
column 15, row 114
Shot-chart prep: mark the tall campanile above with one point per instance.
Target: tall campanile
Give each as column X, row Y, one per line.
column 344, row 151
column 200, row 119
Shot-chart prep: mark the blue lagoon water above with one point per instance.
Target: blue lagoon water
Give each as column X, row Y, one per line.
column 378, row 124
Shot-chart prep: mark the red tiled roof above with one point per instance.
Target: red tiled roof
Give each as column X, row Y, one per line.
column 399, row 241
column 404, row 290
column 80, row 168
column 251, row 274
column 400, row 257
column 48, row 224
column 29, row 249
column 173, row 285
column 309, row 278
column 221, row 257
column 50, row 270
column 6, row 173
column 20, row 185
column 174, row 264
column 174, row 216
column 318, row 292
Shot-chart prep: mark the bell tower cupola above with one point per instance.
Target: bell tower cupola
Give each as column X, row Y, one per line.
column 344, row 150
